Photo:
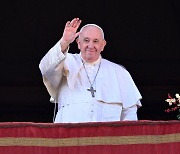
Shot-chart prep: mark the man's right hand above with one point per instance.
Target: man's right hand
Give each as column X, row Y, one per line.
column 70, row 33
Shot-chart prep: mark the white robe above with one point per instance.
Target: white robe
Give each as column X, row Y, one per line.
column 116, row 97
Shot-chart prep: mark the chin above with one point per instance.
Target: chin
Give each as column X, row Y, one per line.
column 89, row 59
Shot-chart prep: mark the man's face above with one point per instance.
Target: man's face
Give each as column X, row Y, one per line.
column 91, row 43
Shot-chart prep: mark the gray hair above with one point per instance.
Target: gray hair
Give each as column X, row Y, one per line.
column 94, row 26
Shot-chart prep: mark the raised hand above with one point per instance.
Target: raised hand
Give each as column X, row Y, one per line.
column 70, row 33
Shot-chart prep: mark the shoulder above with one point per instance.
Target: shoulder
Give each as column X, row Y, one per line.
column 113, row 65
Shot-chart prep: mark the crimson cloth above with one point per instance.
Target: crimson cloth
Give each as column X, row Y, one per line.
column 125, row 137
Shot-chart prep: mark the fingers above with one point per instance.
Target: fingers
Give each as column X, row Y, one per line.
column 78, row 23
column 75, row 23
column 67, row 24
column 77, row 34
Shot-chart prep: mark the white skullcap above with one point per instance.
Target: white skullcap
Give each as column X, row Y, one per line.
column 94, row 26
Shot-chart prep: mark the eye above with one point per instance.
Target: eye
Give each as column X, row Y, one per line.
column 95, row 41
column 86, row 40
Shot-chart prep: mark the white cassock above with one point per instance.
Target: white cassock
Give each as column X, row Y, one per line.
column 116, row 97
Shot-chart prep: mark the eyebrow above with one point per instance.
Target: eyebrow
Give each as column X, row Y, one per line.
column 89, row 38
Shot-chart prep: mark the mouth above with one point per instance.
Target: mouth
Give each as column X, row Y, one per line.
column 90, row 51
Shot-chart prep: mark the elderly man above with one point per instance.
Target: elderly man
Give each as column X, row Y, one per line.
column 87, row 87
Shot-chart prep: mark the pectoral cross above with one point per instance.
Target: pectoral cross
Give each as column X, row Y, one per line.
column 92, row 91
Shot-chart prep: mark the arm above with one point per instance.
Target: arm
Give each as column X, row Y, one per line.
column 51, row 65
column 129, row 113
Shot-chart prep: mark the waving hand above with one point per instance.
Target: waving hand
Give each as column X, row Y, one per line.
column 70, row 33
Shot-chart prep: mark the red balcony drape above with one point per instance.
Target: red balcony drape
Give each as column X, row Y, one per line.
column 127, row 137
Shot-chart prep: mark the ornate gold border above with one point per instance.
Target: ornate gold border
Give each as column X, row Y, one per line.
column 89, row 141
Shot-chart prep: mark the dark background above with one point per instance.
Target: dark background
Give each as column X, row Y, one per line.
column 142, row 35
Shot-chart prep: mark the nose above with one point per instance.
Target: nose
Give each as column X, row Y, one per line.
column 90, row 44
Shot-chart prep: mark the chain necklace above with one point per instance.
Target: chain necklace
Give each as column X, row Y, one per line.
column 91, row 89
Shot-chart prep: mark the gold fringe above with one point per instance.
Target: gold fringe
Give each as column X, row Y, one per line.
column 89, row 141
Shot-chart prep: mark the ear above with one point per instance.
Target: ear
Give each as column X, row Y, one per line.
column 103, row 45
column 78, row 42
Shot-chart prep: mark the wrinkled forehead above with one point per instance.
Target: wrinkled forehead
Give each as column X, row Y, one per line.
column 93, row 26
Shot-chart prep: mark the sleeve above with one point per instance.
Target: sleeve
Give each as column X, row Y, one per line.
column 129, row 113
column 51, row 67
column 128, row 90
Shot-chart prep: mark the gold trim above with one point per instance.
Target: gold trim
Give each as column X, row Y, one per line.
column 89, row 141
